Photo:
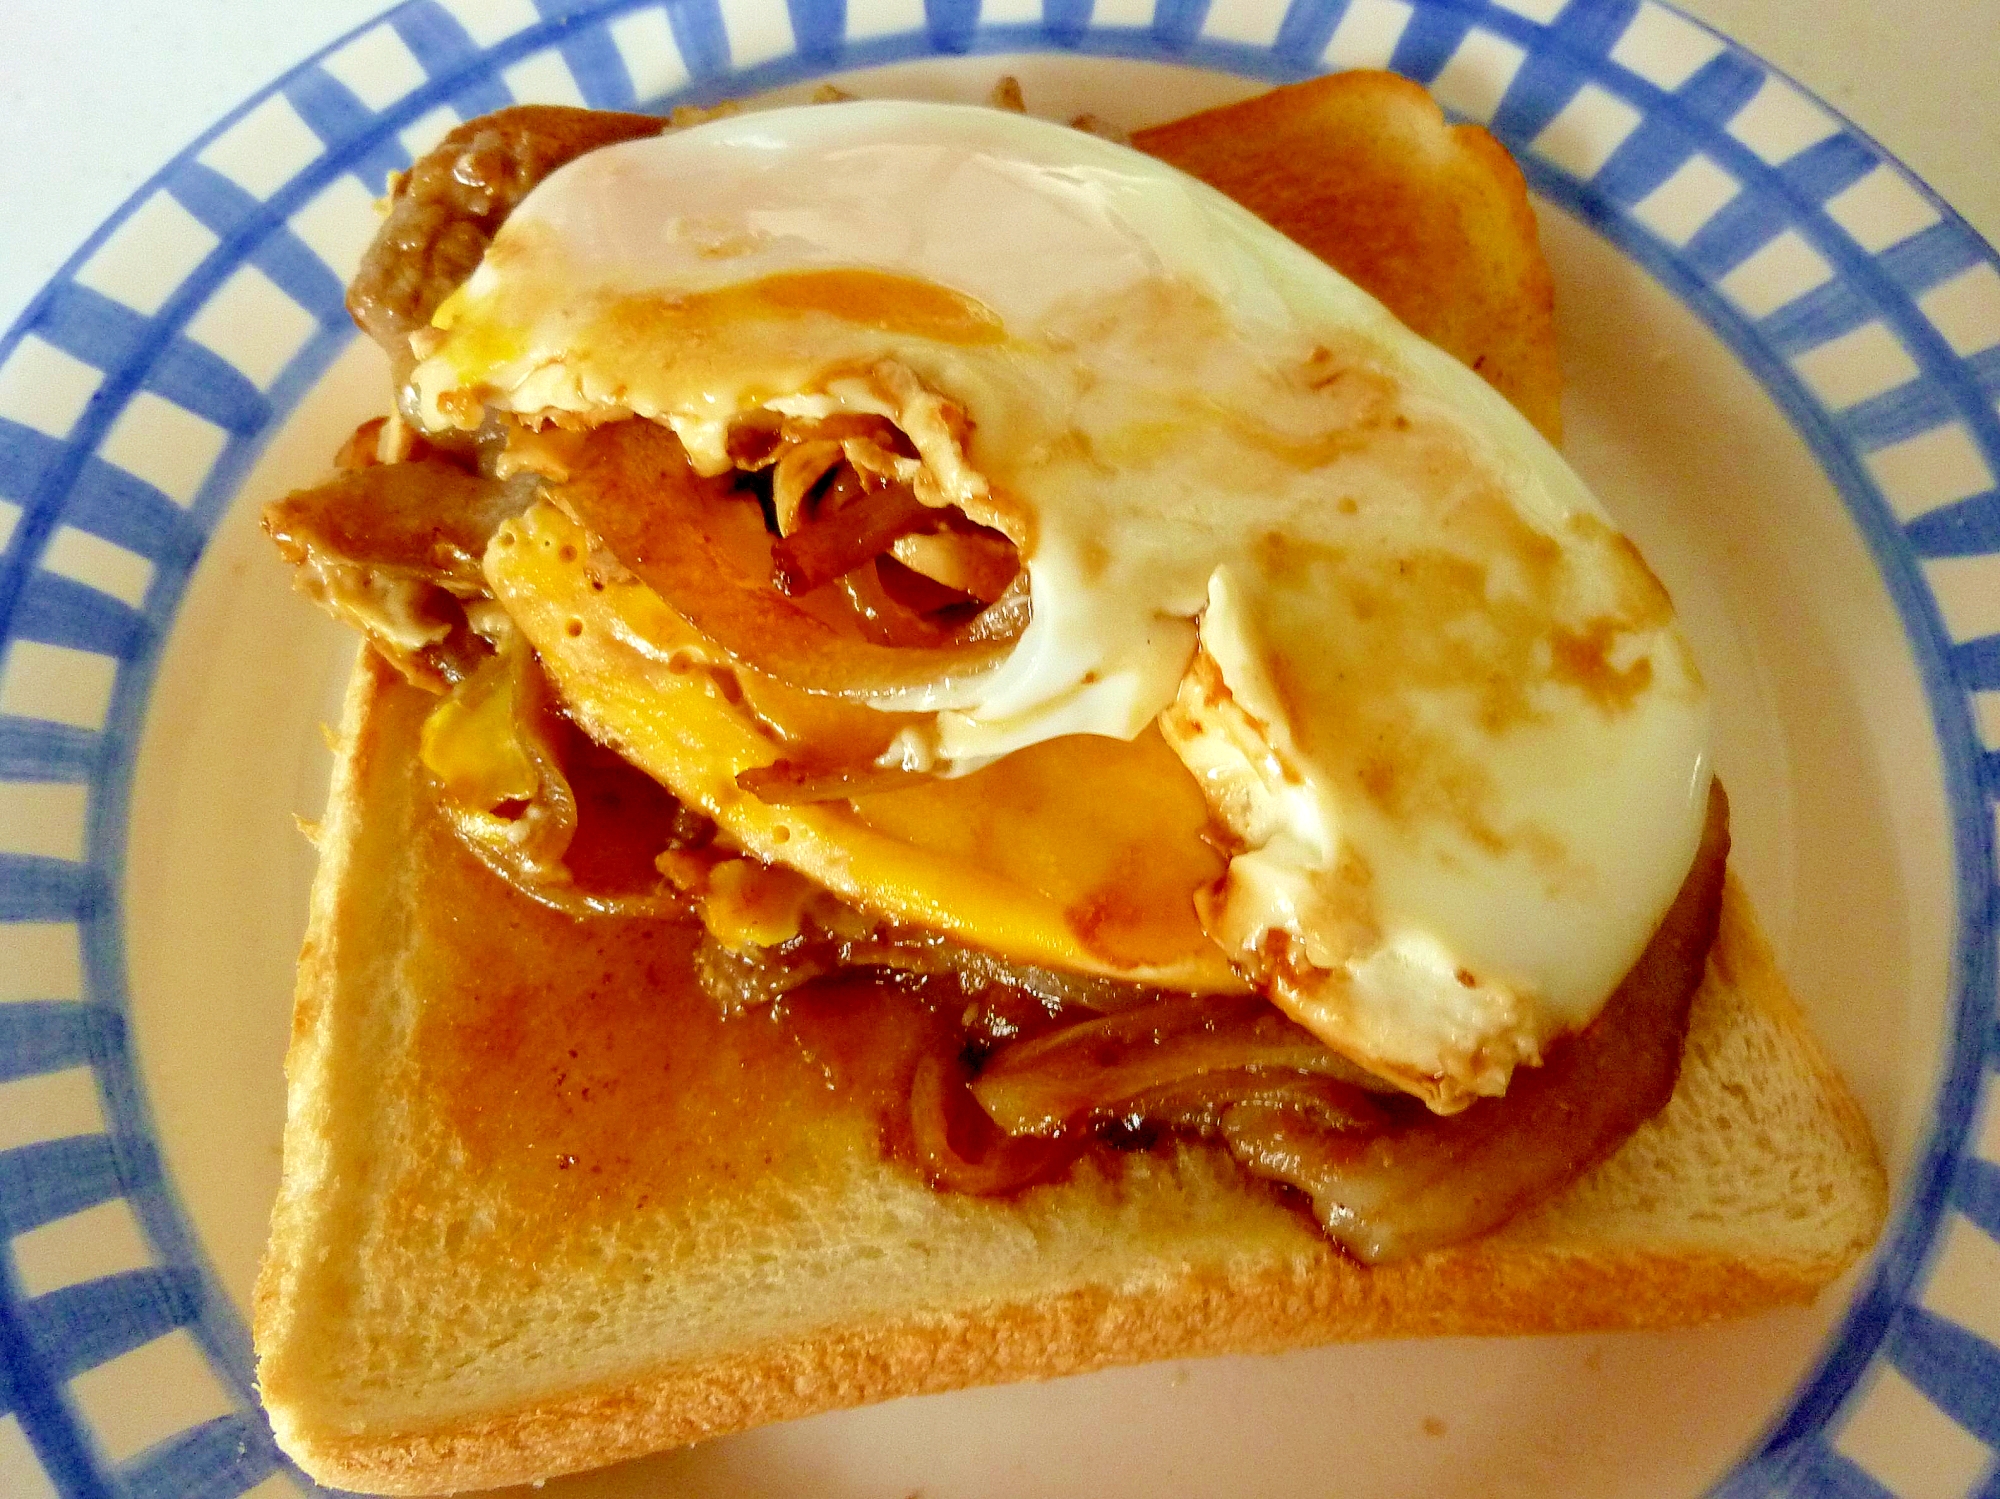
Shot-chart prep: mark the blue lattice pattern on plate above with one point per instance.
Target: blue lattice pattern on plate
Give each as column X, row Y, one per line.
column 145, row 378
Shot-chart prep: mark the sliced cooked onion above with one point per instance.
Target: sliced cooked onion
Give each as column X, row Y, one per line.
column 393, row 549
column 883, row 617
column 1007, row 1164
column 1203, row 1101
column 572, row 900
column 916, row 592
column 795, row 475
column 746, row 980
column 1091, row 1069
column 880, row 462
column 969, row 559
column 1052, row 987
column 1444, row 1178
column 634, row 487
column 949, row 568
column 519, row 831
column 759, row 439
column 1006, row 617
column 837, row 542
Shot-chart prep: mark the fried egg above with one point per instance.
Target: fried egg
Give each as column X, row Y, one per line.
column 1448, row 731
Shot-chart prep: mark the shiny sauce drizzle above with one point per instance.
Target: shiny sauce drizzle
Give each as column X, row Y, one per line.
column 576, row 1069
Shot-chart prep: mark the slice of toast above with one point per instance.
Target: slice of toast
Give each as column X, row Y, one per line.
column 1430, row 218
column 543, row 1208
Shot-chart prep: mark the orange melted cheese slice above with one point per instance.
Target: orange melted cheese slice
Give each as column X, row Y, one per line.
column 1083, row 853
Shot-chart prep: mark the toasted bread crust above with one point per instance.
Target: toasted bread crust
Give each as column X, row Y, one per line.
column 1484, row 1290
column 1586, row 1262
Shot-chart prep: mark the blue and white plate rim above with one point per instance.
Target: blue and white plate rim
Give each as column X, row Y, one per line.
column 1692, row 112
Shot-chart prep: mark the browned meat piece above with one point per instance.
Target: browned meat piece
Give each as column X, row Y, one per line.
column 394, row 549
column 445, row 212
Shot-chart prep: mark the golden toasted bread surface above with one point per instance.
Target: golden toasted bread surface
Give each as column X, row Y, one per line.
column 543, row 1209
column 1432, row 219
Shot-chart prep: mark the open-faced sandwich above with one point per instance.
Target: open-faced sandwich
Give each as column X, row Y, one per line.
column 974, row 764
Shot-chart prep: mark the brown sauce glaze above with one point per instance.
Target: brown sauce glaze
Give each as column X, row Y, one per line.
column 577, row 1068
column 624, row 818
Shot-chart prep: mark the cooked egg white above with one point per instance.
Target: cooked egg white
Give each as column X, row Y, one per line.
column 1440, row 705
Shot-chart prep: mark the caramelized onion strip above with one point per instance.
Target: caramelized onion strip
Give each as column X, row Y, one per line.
column 1442, row 1179
column 837, row 542
column 968, row 559
column 633, row 486
column 919, row 593
column 1006, row 617
column 885, row 618
column 1007, row 1164
column 1203, row 1101
column 1091, row 1069
column 795, row 474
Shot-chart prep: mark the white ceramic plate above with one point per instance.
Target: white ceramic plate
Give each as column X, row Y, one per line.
column 1783, row 355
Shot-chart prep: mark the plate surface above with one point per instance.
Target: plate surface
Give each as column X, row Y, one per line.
column 1783, row 356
